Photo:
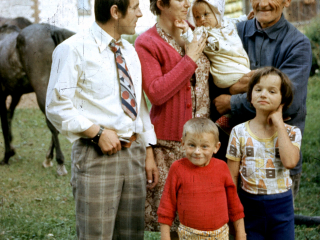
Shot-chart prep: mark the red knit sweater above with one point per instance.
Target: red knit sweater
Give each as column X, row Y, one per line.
column 166, row 81
column 205, row 197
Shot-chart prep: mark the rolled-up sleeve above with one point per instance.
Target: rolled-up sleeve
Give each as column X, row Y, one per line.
column 60, row 109
column 148, row 135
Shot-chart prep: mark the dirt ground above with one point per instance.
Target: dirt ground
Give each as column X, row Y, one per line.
column 26, row 101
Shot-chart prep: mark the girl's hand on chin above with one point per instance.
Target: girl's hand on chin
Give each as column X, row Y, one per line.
column 275, row 117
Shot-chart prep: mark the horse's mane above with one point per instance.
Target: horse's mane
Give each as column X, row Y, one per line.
column 58, row 35
column 21, row 22
column 9, row 28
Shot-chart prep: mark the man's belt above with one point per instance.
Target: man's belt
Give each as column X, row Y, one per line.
column 126, row 143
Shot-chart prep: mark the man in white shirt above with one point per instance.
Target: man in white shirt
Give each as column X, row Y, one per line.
column 110, row 127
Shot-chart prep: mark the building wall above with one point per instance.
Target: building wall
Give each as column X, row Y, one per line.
column 15, row 8
column 65, row 13
column 61, row 13
column 301, row 10
column 233, row 8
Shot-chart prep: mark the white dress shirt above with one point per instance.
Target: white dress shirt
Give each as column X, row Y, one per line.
column 84, row 88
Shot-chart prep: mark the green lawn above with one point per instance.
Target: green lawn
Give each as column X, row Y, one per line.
column 35, row 203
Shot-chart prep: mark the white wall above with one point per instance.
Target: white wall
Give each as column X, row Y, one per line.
column 15, row 8
column 64, row 13
column 148, row 19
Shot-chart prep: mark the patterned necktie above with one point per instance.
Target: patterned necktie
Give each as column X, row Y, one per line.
column 128, row 96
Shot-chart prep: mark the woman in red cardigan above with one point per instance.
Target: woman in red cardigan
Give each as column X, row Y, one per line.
column 175, row 79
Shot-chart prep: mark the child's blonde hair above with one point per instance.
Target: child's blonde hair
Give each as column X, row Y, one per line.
column 199, row 126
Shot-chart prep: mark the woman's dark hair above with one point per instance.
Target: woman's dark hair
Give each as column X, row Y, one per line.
column 154, row 8
column 285, row 87
column 102, row 9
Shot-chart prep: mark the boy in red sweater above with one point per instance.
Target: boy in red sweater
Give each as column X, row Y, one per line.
column 201, row 189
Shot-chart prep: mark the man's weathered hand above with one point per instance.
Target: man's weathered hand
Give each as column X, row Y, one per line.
column 152, row 171
column 109, row 142
column 242, row 85
column 222, row 103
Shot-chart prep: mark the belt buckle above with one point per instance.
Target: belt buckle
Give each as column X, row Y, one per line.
column 126, row 143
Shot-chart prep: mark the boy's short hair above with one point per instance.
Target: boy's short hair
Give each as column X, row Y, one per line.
column 102, row 9
column 199, row 126
column 154, row 8
column 285, row 87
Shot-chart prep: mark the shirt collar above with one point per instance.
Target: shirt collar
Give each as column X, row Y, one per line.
column 272, row 32
column 101, row 37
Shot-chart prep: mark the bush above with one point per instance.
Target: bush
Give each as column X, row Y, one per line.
column 130, row 38
column 313, row 33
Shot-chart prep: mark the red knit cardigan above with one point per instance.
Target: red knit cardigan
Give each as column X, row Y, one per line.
column 166, row 81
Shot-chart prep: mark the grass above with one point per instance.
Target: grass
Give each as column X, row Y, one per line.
column 35, row 203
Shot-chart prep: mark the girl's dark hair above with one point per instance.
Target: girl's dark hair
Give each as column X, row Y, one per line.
column 102, row 9
column 154, row 8
column 285, row 87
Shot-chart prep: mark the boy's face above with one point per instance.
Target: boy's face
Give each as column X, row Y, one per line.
column 203, row 15
column 199, row 148
column 266, row 94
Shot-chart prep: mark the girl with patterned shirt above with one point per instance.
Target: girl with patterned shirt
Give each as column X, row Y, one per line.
column 262, row 151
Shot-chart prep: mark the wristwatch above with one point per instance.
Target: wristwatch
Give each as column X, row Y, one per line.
column 95, row 140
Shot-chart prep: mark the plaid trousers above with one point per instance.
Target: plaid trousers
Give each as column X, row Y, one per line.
column 109, row 191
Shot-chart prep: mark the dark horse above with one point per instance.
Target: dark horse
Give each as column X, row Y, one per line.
column 13, row 80
column 34, row 46
column 20, row 22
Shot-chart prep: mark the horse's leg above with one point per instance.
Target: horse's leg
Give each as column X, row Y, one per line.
column 36, row 49
column 9, row 150
column 61, row 169
column 48, row 162
column 10, row 112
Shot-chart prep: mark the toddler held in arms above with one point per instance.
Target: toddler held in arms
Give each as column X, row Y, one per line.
column 229, row 61
column 200, row 188
column 262, row 151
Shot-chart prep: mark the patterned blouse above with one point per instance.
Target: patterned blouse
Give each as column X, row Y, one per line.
column 261, row 169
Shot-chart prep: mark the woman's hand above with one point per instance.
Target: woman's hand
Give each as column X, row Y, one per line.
column 181, row 24
column 195, row 48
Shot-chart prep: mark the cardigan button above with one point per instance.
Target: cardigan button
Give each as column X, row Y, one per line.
column 189, row 105
column 188, row 88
